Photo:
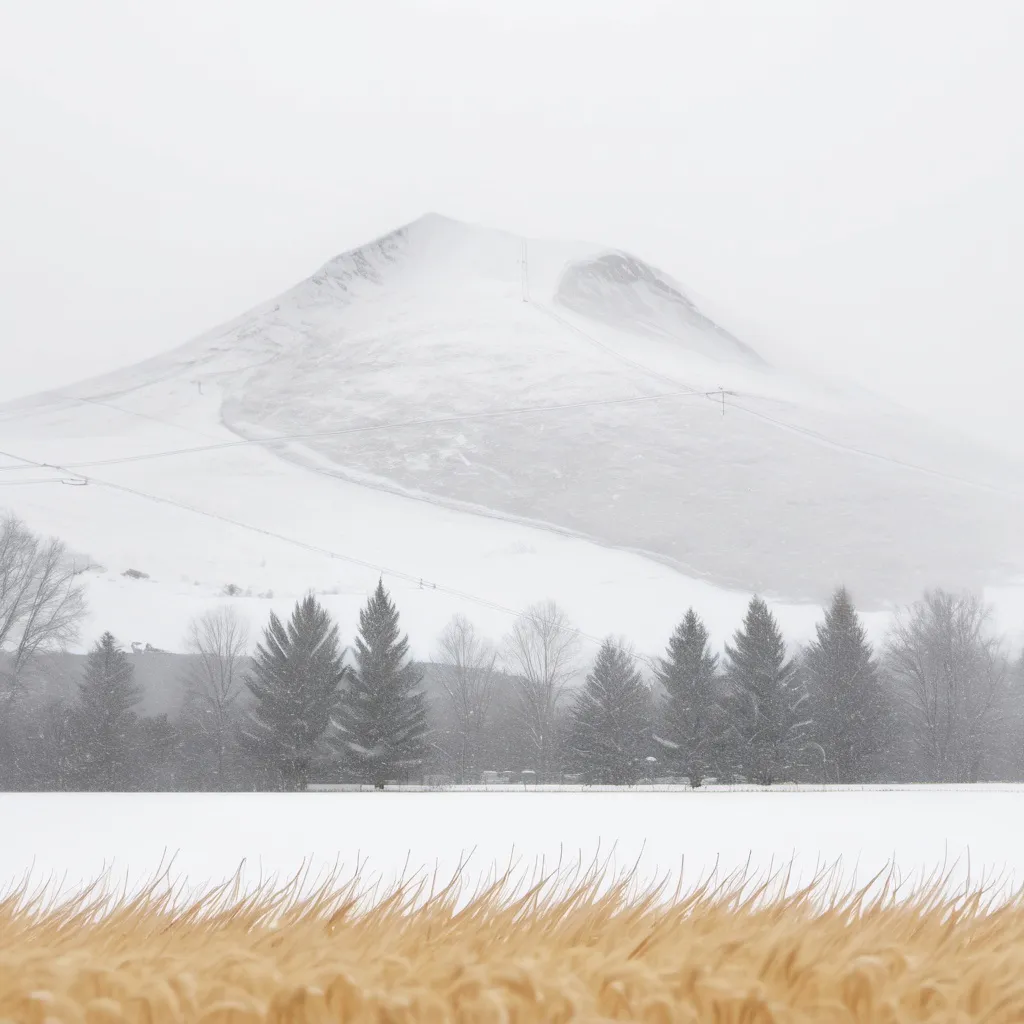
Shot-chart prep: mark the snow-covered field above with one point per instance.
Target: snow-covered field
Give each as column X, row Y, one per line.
column 433, row 323
column 921, row 831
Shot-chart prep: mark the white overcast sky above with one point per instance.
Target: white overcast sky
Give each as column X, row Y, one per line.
column 840, row 182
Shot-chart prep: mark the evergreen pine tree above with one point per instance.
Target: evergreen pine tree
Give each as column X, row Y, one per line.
column 849, row 707
column 765, row 706
column 295, row 678
column 157, row 761
column 382, row 717
column 609, row 732
column 104, row 723
column 1015, row 723
column 689, row 723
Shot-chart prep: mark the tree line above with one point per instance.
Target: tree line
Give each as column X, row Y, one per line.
column 940, row 701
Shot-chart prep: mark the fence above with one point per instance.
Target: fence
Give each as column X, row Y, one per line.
column 978, row 787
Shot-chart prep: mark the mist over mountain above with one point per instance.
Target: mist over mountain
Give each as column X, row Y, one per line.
column 446, row 378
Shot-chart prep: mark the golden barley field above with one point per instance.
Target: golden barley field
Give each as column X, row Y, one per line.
column 572, row 946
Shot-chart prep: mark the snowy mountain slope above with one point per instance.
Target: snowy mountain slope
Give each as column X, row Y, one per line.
column 553, row 397
column 244, row 516
column 738, row 499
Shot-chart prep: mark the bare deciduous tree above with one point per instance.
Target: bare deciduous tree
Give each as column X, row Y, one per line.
column 951, row 677
column 218, row 640
column 541, row 652
column 466, row 673
column 42, row 599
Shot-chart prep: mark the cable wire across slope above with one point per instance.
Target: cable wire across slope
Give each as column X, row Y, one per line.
column 383, row 570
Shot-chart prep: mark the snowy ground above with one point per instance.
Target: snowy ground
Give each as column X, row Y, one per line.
column 920, row 830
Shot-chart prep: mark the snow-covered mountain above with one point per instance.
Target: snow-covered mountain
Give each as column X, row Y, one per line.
column 510, row 419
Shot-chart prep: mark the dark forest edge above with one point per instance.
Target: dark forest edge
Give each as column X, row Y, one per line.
column 941, row 702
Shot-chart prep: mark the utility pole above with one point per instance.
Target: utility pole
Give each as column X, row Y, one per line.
column 720, row 393
column 525, row 270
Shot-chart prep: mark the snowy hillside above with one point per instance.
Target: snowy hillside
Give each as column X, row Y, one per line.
column 507, row 421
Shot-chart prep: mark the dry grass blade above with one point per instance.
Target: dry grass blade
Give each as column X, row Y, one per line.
column 580, row 943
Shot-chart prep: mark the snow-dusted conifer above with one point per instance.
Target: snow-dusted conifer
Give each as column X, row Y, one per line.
column 766, row 707
column 295, row 678
column 382, row 717
column 610, row 725
column 849, row 706
column 104, row 722
column 689, row 720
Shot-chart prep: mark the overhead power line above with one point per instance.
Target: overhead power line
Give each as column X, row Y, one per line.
column 608, row 350
column 854, row 449
column 36, row 480
column 721, row 395
column 371, row 427
column 419, row 581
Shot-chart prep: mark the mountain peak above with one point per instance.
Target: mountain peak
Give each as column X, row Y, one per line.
column 434, row 219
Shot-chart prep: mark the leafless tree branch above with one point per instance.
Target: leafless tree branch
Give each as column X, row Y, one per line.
column 42, row 597
column 466, row 673
column 541, row 652
column 218, row 640
column 951, row 676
